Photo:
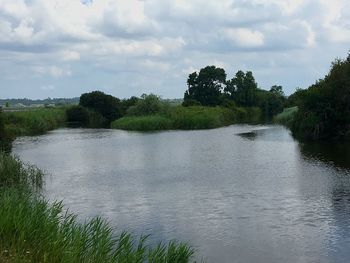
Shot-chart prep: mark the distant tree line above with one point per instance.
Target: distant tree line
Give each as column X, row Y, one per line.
column 210, row 87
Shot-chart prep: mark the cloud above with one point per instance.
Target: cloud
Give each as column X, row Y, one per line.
column 245, row 37
column 47, row 87
column 124, row 44
column 53, row 71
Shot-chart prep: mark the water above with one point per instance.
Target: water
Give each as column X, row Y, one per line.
column 237, row 194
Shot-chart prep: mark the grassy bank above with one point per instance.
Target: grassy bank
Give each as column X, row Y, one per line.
column 32, row 230
column 33, row 122
column 188, row 118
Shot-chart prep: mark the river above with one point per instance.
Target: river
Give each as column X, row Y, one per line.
column 237, row 194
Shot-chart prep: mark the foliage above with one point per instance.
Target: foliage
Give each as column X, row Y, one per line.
column 148, row 105
column 107, row 105
column 324, row 111
column 13, row 173
column 206, row 86
column 199, row 117
column 188, row 118
column 127, row 103
column 270, row 102
column 32, row 230
column 78, row 114
column 81, row 116
column 33, row 122
column 286, row 117
column 143, row 123
column 296, row 98
column 242, row 89
column 3, row 137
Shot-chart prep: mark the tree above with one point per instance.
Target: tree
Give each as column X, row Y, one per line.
column 107, row 105
column 206, row 86
column 324, row 110
column 242, row 89
column 277, row 90
column 147, row 105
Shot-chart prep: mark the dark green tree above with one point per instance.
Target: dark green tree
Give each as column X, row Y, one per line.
column 206, row 86
column 107, row 105
column 242, row 89
column 324, row 111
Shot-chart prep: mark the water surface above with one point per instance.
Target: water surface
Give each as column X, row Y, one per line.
column 237, row 194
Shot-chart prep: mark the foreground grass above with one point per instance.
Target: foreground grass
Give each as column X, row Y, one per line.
column 32, row 230
column 186, row 118
column 33, row 122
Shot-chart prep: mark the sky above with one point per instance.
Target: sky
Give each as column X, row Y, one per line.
column 62, row 48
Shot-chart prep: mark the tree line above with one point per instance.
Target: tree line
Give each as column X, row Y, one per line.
column 210, row 87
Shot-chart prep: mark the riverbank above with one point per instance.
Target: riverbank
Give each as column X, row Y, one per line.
column 33, row 230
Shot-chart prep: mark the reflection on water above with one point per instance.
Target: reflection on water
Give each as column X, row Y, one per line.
column 332, row 153
column 238, row 194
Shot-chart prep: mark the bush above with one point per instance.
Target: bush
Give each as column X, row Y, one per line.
column 108, row 106
column 148, row 105
column 78, row 114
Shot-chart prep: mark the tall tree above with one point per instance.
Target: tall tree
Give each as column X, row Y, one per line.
column 206, row 86
column 242, row 88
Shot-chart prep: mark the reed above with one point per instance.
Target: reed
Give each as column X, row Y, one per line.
column 34, row 230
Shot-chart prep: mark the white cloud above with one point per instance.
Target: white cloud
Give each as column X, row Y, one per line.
column 108, row 42
column 67, row 55
column 245, row 37
column 52, row 71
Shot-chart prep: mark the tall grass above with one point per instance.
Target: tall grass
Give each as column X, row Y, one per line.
column 143, row 123
column 188, row 118
column 33, row 122
column 286, row 117
column 32, row 230
column 198, row 117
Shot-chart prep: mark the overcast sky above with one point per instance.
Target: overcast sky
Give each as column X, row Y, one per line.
column 62, row 48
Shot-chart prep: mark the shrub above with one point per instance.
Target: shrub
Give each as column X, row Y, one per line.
column 108, row 106
column 78, row 114
column 148, row 105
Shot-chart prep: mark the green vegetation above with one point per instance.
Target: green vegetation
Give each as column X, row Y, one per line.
column 106, row 105
column 162, row 116
column 209, row 87
column 143, row 123
column 199, row 117
column 324, row 108
column 80, row 116
column 32, row 230
column 33, row 122
column 286, row 117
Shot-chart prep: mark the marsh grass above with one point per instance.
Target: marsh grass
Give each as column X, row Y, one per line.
column 286, row 117
column 143, row 123
column 33, row 122
column 33, row 230
column 179, row 118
